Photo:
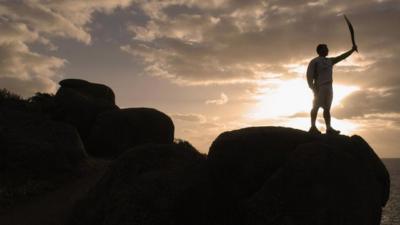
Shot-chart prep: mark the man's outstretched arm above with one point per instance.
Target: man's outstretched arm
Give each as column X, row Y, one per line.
column 344, row 55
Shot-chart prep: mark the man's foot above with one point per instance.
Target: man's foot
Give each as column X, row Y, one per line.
column 314, row 130
column 332, row 131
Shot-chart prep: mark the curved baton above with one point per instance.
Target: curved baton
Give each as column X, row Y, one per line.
column 351, row 31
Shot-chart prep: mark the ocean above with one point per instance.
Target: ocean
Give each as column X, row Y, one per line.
column 391, row 213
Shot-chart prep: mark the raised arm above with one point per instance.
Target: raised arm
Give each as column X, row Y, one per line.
column 344, row 55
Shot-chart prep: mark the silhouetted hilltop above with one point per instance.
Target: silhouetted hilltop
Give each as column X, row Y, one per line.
column 258, row 175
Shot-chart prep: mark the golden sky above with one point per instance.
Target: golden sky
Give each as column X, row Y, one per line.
column 213, row 65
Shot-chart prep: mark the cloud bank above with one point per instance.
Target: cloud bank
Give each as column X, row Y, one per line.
column 206, row 42
column 27, row 22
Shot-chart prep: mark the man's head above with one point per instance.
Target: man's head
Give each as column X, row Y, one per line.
column 322, row 50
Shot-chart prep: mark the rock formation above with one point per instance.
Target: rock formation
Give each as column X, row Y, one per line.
column 79, row 102
column 115, row 131
column 252, row 176
column 258, row 175
column 37, row 154
column 141, row 187
column 287, row 176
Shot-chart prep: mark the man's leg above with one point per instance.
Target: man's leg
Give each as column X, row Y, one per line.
column 327, row 117
column 327, row 110
column 314, row 114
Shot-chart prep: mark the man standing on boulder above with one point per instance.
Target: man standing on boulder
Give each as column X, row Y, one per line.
column 319, row 78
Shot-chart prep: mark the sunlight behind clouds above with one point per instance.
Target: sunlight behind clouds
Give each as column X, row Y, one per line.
column 346, row 127
column 283, row 98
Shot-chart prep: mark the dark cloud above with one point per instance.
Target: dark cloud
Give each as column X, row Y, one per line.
column 370, row 102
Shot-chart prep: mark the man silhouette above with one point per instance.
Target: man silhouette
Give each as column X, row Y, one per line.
column 319, row 78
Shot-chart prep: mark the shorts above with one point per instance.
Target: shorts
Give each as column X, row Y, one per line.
column 323, row 96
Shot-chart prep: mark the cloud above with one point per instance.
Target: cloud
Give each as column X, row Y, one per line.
column 58, row 18
column 220, row 101
column 196, row 118
column 26, row 22
column 19, row 62
column 22, row 70
column 196, row 43
column 256, row 42
column 365, row 103
column 29, row 86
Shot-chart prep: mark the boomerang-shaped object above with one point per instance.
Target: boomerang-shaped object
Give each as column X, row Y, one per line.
column 351, row 31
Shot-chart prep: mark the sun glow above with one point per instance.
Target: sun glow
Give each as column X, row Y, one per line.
column 279, row 98
column 345, row 126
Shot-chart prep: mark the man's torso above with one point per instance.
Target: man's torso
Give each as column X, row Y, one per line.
column 323, row 70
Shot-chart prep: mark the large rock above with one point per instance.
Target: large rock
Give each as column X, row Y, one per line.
column 117, row 130
column 242, row 160
column 286, row 176
column 36, row 154
column 258, row 175
column 79, row 102
column 142, row 187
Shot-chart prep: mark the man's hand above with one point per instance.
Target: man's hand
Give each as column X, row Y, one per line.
column 314, row 89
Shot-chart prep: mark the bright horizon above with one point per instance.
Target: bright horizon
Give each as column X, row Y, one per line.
column 213, row 66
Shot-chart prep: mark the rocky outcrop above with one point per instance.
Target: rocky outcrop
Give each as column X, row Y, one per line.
column 141, row 187
column 258, row 175
column 37, row 154
column 43, row 138
column 105, row 129
column 115, row 131
column 78, row 103
column 286, row 176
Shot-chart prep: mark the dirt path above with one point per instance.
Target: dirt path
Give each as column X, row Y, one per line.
column 53, row 208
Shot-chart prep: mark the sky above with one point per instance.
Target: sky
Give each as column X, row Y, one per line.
column 213, row 65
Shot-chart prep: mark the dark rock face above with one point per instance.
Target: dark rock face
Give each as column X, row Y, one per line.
column 117, row 130
column 259, row 175
column 36, row 153
column 286, row 176
column 142, row 187
column 242, row 160
column 79, row 102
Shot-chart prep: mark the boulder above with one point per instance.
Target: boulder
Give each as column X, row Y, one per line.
column 115, row 131
column 78, row 103
column 99, row 92
column 286, row 176
column 37, row 154
column 240, row 161
column 141, row 187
